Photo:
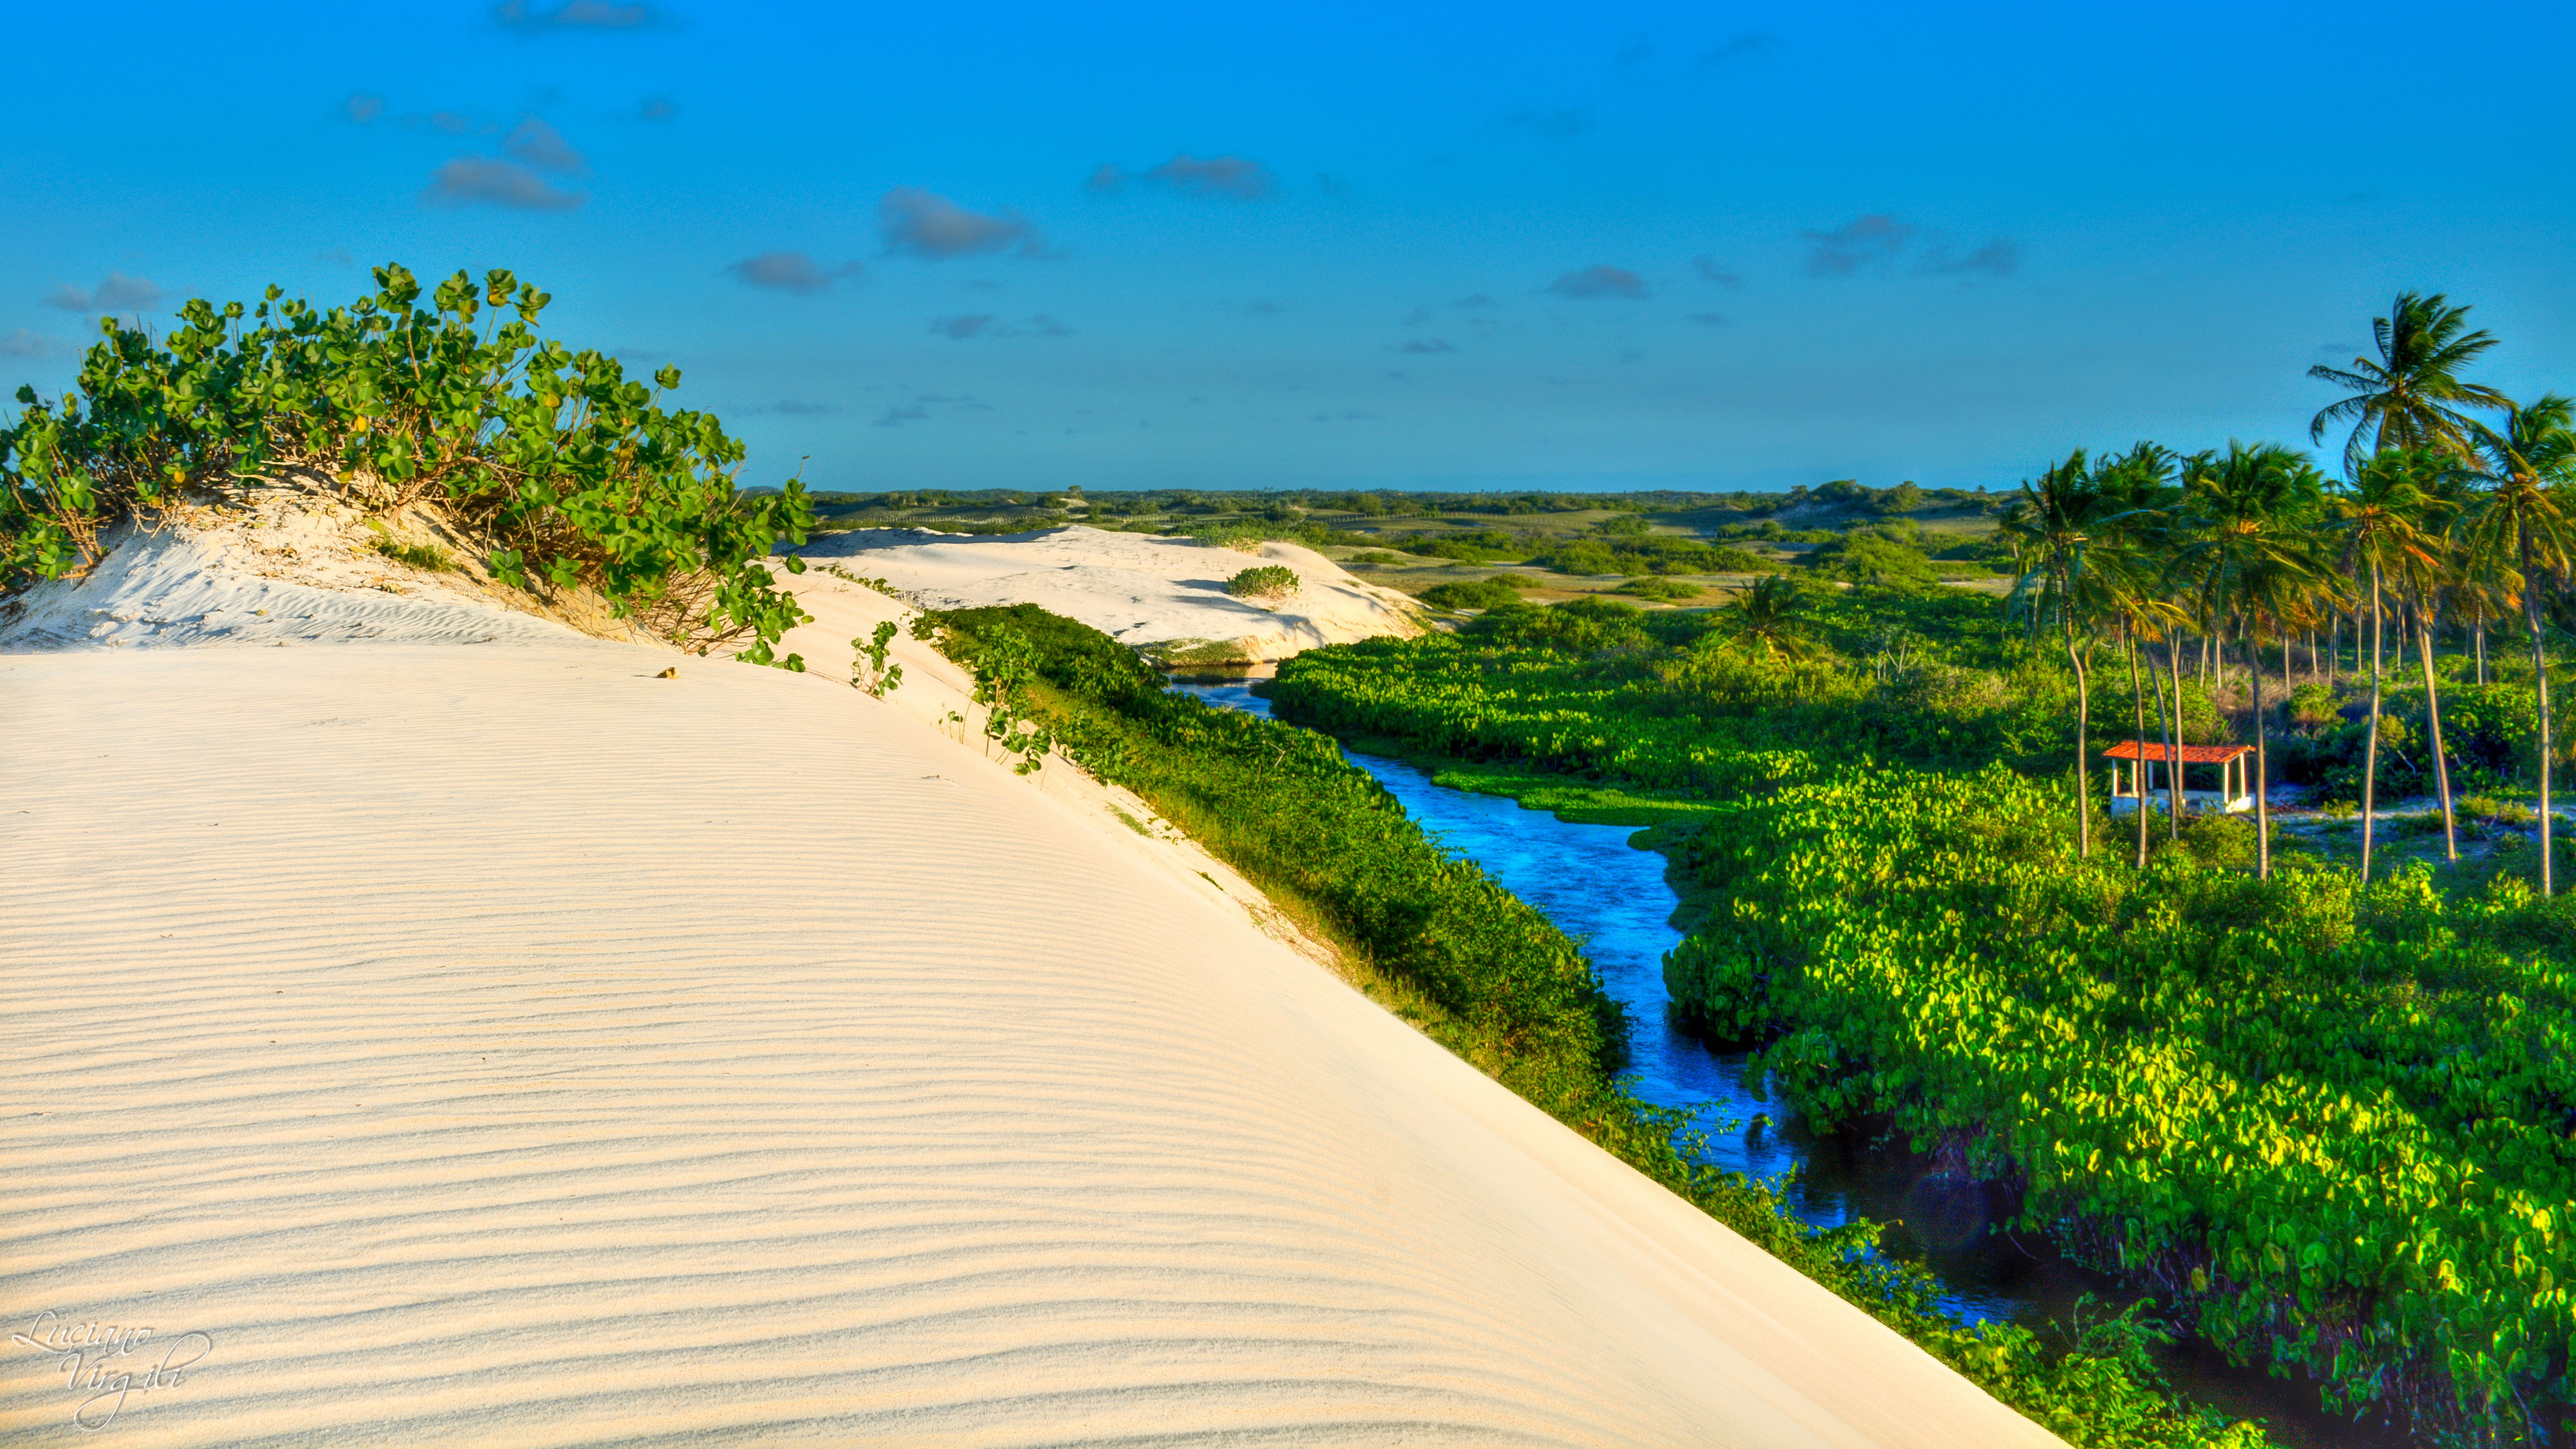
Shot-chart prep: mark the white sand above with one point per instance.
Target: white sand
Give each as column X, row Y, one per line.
column 498, row 1045
column 1158, row 594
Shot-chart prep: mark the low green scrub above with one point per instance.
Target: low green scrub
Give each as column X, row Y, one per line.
column 569, row 472
column 2333, row 1129
column 2336, row 1128
column 1476, row 969
column 1501, row 591
column 1650, row 554
column 1264, row 583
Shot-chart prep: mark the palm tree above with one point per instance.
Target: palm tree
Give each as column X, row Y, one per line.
column 1768, row 619
column 2412, row 395
column 2532, row 465
column 2381, row 518
column 2253, row 567
column 2056, row 531
column 2139, row 492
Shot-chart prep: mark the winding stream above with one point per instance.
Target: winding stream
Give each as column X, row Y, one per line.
column 1613, row 900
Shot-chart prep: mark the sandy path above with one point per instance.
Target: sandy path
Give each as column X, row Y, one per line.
column 501, row 1046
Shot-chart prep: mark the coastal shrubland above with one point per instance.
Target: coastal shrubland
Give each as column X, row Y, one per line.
column 2321, row 1107
column 1437, row 941
column 565, row 471
column 2334, row 1128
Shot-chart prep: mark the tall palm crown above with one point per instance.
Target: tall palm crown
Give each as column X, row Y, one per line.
column 2392, row 513
column 2412, row 395
column 2524, row 516
column 1769, row 619
column 2253, row 555
column 2059, row 525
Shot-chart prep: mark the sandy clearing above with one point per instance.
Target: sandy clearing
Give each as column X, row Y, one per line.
column 1165, row 595
column 501, row 1045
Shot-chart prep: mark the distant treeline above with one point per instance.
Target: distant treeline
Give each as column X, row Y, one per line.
column 1390, row 503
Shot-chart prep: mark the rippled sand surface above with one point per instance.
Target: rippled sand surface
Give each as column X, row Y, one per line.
column 503, row 1046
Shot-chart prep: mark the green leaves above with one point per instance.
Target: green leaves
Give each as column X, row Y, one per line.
column 564, row 467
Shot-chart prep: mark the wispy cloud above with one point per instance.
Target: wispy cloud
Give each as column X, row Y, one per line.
column 799, row 408
column 1426, row 345
column 544, row 147
column 1750, row 42
column 1418, row 317
column 1707, row 319
column 1855, row 244
column 23, row 343
column 1601, row 281
column 924, row 224
column 1262, row 309
column 901, row 413
column 119, row 293
column 1997, row 258
column 791, row 272
column 362, row 106
column 1477, row 302
column 1234, row 178
column 573, row 15
column 468, row 180
column 657, row 108
column 1709, row 269
column 985, row 324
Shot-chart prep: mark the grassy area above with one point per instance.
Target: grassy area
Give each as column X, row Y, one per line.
column 1665, row 546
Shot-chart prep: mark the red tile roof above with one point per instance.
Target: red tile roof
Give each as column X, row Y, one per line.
column 2190, row 754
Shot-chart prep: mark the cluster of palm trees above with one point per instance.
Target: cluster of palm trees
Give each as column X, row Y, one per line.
column 2457, row 505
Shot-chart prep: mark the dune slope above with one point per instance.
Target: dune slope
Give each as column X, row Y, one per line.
column 503, row 1046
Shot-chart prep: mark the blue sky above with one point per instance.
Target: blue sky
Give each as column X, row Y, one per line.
column 1337, row 245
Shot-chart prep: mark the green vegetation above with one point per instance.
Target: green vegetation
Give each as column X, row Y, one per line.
column 1475, row 968
column 427, row 557
column 567, row 471
column 1497, row 591
column 1923, row 535
column 1264, row 583
column 2325, row 1116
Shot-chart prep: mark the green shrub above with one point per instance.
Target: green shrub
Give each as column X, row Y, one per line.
column 1265, row 582
column 1500, row 591
column 427, row 557
column 1373, row 558
column 1666, row 590
column 567, row 471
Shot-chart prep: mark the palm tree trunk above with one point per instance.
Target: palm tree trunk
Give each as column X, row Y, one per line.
column 2173, row 758
column 2262, row 777
column 2482, row 648
column 2540, row 684
column 2138, row 699
column 2433, row 720
column 2370, row 752
column 2083, row 775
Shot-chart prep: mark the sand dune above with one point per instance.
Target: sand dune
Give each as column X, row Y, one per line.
column 501, row 1045
column 1164, row 595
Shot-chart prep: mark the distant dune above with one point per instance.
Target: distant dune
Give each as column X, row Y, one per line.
column 439, row 1042
column 1165, row 596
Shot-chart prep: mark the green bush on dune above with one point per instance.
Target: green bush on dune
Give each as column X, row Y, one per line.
column 568, row 472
